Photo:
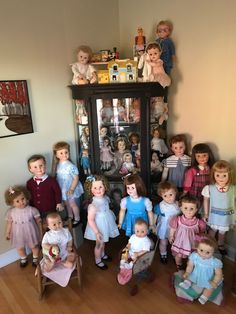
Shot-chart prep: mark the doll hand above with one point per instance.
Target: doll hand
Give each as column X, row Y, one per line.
column 60, row 207
column 213, row 284
column 152, row 229
column 205, row 217
column 70, row 192
column 171, row 239
column 8, row 236
column 119, row 226
column 185, row 275
column 99, row 237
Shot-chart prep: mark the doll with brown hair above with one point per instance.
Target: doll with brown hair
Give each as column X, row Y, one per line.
column 156, row 165
column 106, row 154
column 176, row 165
column 23, row 224
column 134, row 110
column 134, row 139
column 128, row 165
column 135, row 204
column 67, row 175
column 84, row 72
column 121, row 110
column 163, row 31
column 101, row 220
column 120, row 148
column 159, row 110
column 84, row 138
column 107, row 112
column 158, row 144
column 219, row 202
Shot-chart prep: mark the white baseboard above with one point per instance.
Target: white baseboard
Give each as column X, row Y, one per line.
column 10, row 256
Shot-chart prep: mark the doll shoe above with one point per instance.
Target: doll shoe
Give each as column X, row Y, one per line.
column 101, row 265
column 35, row 262
column 180, row 267
column 23, row 262
column 164, row 259
column 75, row 223
column 106, row 258
column 222, row 250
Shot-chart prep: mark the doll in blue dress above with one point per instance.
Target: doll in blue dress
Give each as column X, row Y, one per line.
column 135, row 205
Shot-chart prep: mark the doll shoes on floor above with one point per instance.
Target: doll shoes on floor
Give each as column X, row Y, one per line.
column 163, row 259
column 101, row 265
column 23, row 262
column 106, row 258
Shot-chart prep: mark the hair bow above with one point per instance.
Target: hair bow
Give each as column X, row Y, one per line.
column 11, row 191
column 127, row 175
column 90, row 178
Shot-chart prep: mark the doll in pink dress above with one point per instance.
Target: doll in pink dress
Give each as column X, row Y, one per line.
column 106, row 154
column 184, row 229
column 23, row 224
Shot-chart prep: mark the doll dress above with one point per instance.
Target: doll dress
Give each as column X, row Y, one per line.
column 185, row 235
column 204, row 270
column 105, row 154
column 104, row 219
column 25, row 231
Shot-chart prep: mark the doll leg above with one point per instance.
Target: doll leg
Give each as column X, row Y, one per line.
column 23, row 257
column 205, row 295
column 70, row 260
column 221, row 242
column 163, row 250
column 98, row 250
column 73, row 210
column 35, row 251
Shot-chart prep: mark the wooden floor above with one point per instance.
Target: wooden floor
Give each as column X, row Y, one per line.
column 101, row 293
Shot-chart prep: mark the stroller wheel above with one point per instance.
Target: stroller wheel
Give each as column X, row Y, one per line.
column 134, row 290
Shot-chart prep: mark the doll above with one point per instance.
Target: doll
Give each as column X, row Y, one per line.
column 159, row 110
column 121, row 111
column 106, row 112
column 156, row 165
column 163, row 31
column 158, row 144
column 84, row 73
column 134, row 205
column 80, row 112
column 127, row 166
column 219, row 202
column 134, row 111
column 203, row 269
column 45, row 191
column 106, row 154
column 67, row 175
column 104, row 132
column 165, row 210
column 138, row 244
column 57, row 244
column 116, row 196
column 23, row 224
column 184, row 229
column 84, row 138
column 120, row 149
column 140, row 40
column 199, row 174
column 153, row 70
column 176, row 165
column 134, row 140
column 101, row 220
column 85, row 161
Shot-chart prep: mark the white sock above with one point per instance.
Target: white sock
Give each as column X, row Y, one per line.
column 202, row 299
column 99, row 261
column 185, row 284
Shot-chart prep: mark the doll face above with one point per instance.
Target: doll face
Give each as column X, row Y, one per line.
column 169, row 196
column 83, row 57
column 188, row 209
column 20, row 201
column 128, row 158
column 54, row 223
column 37, row 168
column 163, row 31
column 134, row 139
column 140, row 230
column 85, row 153
column 178, row 149
column 86, row 131
column 131, row 190
column 205, row 251
column 202, row 158
column 106, row 103
column 121, row 146
column 103, row 132
column 156, row 134
column 221, row 178
column 106, row 142
column 98, row 189
column 154, row 54
column 62, row 154
column 155, row 157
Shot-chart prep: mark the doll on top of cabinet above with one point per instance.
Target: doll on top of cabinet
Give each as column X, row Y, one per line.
column 84, row 72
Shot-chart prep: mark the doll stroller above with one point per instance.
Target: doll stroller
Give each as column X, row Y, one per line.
column 65, row 275
column 141, row 269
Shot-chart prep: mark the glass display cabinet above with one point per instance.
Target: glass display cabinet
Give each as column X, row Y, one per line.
column 121, row 129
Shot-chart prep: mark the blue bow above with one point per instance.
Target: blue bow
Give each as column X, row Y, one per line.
column 90, row 178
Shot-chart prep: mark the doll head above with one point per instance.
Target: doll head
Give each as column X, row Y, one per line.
column 156, row 132
column 106, row 103
column 84, row 54
column 206, row 247
column 221, row 173
column 61, row 151
column 154, row 52
column 202, row 156
column 37, row 165
column 116, row 195
column 164, row 29
column 178, row 145
column 17, row 196
column 96, row 185
column 85, row 152
column 167, row 191
column 141, row 228
column 134, row 138
column 54, row 221
column 189, row 206
column 120, row 144
column 85, row 131
column 155, row 156
column 106, row 141
column 134, row 185
column 103, row 131
column 127, row 157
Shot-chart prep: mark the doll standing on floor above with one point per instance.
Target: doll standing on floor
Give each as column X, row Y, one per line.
column 184, row 229
column 67, row 175
column 165, row 210
column 101, row 220
column 176, row 165
column 219, row 202
column 135, row 205
column 199, row 174
column 23, row 224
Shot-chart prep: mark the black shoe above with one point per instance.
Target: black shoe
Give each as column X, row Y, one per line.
column 164, row 259
column 101, row 265
column 35, row 262
column 23, row 263
column 106, row 258
column 75, row 223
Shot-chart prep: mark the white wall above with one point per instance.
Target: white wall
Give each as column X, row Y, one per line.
column 38, row 42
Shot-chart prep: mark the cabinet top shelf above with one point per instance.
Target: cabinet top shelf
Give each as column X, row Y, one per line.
column 137, row 89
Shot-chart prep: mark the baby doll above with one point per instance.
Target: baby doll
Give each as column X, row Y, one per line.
column 134, row 139
column 45, row 191
column 101, row 220
column 57, row 244
column 23, row 224
column 106, row 112
column 106, row 154
column 199, row 174
column 219, row 202
column 85, row 161
column 165, row 210
column 159, row 110
column 67, row 175
column 81, row 114
column 138, row 244
column 156, row 165
column 203, row 269
column 184, row 229
column 84, row 73
column 158, row 144
column 163, row 31
column 134, row 111
column 127, row 166
column 122, row 113
column 153, row 70
column 135, row 205
column 176, row 165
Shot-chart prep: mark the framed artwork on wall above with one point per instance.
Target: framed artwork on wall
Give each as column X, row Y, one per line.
column 15, row 115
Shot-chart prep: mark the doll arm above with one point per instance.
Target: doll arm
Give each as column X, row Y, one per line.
column 217, row 278
column 69, row 246
column 73, row 185
column 188, row 180
column 121, row 216
column 151, row 221
column 206, row 204
column 8, row 230
column 172, row 235
column 164, row 174
column 188, row 270
column 39, row 223
column 92, row 223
